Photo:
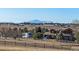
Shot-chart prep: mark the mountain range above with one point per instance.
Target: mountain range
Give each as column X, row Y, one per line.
column 39, row 21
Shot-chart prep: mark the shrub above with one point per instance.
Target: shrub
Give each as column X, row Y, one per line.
column 24, row 30
column 38, row 29
column 38, row 35
column 44, row 30
column 77, row 37
column 59, row 36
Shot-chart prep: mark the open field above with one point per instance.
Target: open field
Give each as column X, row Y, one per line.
column 36, row 45
column 9, row 48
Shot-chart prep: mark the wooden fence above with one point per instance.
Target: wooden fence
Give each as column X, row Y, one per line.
column 24, row 44
column 28, row 44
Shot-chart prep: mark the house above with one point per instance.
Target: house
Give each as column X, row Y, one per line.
column 27, row 35
column 48, row 35
column 68, row 37
column 66, row 34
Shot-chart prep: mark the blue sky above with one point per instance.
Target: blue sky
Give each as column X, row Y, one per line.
column 59, row 15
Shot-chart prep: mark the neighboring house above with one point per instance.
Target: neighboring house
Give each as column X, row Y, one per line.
column 66, row 34
column 68, row 37
column 27, row 35
column 48, row 35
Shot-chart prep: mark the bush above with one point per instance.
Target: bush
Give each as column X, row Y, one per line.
column 59, row 36
column 24, row 30
column 44, row 30
column 77, row 37
column 38, row 35
column 38, row 29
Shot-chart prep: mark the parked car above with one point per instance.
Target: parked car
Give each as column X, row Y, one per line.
column 27, row 35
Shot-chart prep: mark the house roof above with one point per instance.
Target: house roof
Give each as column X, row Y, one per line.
column 48, row 33
column 67, row 34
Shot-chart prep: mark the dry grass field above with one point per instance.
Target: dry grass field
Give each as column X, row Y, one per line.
column 9, row 48
column 36, row 45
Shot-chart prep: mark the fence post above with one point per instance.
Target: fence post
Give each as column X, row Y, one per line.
column 34, row 44
column 5, row 42
column 15, row 43
column 44, row 45
column 25, row 44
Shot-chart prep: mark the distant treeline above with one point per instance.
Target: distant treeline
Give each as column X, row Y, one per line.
column 28, row 23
